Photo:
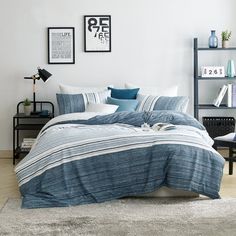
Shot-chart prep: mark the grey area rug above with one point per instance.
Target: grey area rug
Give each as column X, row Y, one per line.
column 129, row 216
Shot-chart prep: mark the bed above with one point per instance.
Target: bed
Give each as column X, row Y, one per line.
column 83, row 158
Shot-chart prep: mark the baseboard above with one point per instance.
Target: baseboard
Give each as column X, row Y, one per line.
column 5, row 154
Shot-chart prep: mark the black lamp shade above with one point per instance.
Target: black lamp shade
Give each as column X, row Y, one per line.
column 44, row 74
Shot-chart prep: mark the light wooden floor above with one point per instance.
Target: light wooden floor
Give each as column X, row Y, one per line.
column 9, row 188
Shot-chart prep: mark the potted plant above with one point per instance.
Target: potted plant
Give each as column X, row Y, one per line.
column 27, row 106
column 225, row 35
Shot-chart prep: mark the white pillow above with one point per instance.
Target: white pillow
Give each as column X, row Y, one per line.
column 101, row 108
column 151, row 90
column 67, row 89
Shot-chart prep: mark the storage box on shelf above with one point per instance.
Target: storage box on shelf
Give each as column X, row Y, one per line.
column 219, row 126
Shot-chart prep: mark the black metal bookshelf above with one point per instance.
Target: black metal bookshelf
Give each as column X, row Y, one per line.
column 198, row 78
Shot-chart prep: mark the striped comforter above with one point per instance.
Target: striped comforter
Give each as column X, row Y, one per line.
column 86, row 161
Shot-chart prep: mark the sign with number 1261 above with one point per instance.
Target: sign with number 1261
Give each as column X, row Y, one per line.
column 213, row 71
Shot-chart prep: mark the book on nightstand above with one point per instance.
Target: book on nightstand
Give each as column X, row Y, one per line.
column 27, row 144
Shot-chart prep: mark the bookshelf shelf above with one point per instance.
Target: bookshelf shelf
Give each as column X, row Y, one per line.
column 198, row 78
column 216, row 49
column 210, row 106
column 216, row 78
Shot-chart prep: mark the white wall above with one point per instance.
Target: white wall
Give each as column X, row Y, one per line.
column 151, row 44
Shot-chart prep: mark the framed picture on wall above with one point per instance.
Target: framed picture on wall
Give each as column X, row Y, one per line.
column 61, row 45
column 97, row 33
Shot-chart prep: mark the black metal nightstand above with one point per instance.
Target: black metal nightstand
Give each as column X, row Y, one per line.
column 21, row 122
column 229, row 142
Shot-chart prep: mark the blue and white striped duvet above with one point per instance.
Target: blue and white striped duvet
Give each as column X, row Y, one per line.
column 79, row 161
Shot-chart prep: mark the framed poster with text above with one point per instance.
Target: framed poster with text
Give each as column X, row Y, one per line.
column 97, row 33
column 61, row 45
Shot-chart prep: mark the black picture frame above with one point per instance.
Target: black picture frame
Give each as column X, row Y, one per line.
column 97, row 33
column 61, row 45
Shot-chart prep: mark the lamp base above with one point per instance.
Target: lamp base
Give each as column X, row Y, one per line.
column 35, row 112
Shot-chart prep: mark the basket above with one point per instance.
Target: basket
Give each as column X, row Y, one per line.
column 219, row 126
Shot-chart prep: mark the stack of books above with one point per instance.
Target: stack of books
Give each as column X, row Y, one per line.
column 230, row 90
column 27, row 144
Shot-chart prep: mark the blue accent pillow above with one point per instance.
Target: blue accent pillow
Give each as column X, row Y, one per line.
column 124, row 93
column 70, row 103
column 124, row 104
column 152, row 103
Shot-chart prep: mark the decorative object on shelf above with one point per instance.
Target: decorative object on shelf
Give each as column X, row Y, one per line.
column 225, row 35
column 44, row 113
column 61, row 45
column 213, row 40
column 97, row 33
column 230, row 69
column 213, row 71
column 42, row 74
column 27, row 107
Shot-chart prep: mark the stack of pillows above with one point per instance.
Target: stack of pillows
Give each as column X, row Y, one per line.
column 124, row 98
column 109, row 100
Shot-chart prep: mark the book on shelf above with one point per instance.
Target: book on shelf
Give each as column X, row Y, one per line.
column 234, row 95
column 27, row 144
column 29, row 139
column 229, row 95
column 25, row 149
column 220, row 96
column 230, row 90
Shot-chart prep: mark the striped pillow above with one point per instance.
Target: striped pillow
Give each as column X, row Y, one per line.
column 69, row 103
column 152, row 103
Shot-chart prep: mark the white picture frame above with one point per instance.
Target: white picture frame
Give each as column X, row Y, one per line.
column 97, row 33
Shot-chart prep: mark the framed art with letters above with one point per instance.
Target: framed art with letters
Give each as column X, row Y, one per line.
column 97, row 33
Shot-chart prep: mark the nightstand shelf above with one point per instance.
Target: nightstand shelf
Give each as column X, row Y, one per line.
column 29, row 126
column 30, row 123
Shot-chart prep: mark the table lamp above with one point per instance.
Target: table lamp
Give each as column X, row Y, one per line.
column 42, row 74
